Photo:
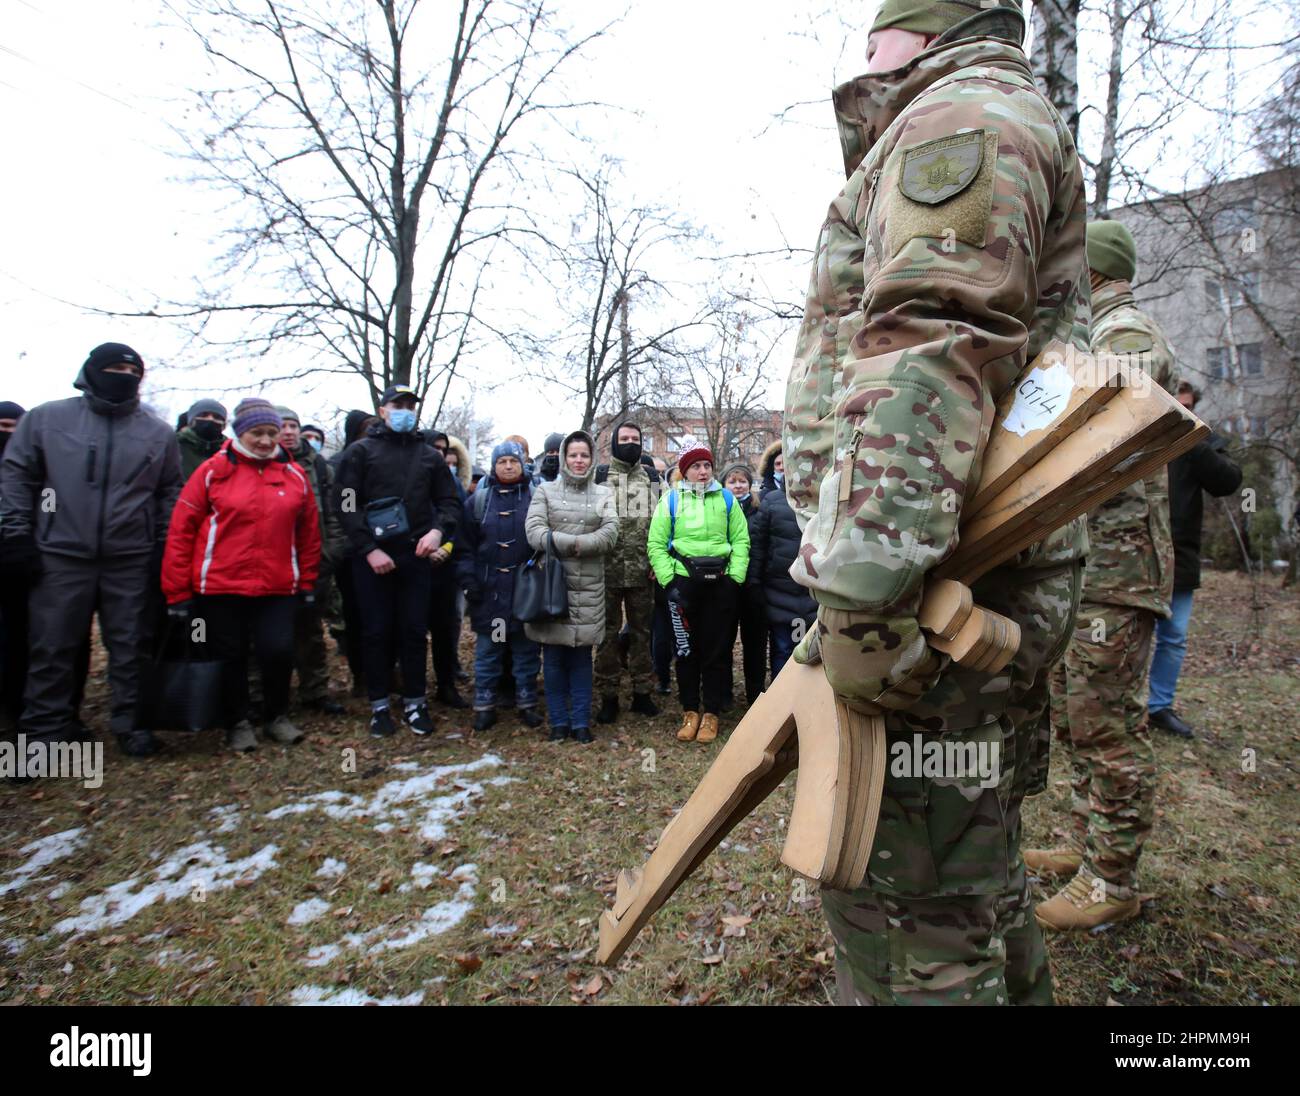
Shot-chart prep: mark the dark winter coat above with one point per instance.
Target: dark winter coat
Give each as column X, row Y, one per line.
column 488, row 552
column 194, row 451
column 321, row 478
column 774, row 540
column 385, row 464
column 109, row 472
column 1205, row 468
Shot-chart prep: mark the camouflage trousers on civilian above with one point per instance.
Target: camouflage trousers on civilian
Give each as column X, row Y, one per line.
column 637, row 605
column 1099, row 711
column 946, row 915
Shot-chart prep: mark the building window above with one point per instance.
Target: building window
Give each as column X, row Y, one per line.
column 1258, row 426
column 1212, row 292
column 1250, row 358
column 1215, row 358
column 1243, row 286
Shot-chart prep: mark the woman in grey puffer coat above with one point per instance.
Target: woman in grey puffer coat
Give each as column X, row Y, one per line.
column 582, row 516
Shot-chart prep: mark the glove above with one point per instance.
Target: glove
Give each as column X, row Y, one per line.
column 677, row 592
column 875, row 664
column 307, row 599
column 181, row 610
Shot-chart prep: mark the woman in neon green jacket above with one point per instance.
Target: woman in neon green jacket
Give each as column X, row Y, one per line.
column 699, row 549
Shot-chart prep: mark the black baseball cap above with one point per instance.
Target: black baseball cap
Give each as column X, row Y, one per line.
column 397, row 392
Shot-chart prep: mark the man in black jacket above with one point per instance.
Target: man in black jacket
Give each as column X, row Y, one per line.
column 13, row 605
column 398, row 505
column 87, row 488
column 1205, row 468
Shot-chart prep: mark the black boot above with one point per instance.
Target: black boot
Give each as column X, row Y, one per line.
column 325, row 705
column 582, row 735
column 1167, row 721
column 138, row 743
column 558, row 734
column 531, row 717
column 608, row 710
column 643, row 705
column 449, row 697
column 485, row 720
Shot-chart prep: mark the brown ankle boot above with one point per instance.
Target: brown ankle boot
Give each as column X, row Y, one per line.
column 1084, row 904
column 1063, row 860
column 708, row 728
column 690, row 727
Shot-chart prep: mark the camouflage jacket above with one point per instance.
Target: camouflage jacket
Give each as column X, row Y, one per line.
column 1131, row 553
column 635, row 497
column 953, row 255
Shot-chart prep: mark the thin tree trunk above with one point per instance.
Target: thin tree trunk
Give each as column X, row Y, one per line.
column 1055, row 57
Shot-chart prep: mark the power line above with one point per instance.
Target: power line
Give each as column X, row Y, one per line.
column 81, row 83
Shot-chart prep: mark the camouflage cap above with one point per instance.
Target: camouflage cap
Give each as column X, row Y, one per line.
column 1112, row 251
column 939, row 16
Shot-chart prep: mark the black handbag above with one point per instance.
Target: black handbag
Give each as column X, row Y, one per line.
column 703, row 568
column 387, row 518
column 183, row 694
column 541, row 592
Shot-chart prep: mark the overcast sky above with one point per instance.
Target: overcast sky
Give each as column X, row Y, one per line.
column 95, row 213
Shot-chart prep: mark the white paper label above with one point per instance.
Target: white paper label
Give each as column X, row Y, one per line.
column 1041, row 399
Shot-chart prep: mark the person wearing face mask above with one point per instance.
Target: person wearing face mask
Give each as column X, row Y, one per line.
column 748, row 622
column 202, row 435
column 771, row 471
column 87, row 488
column 13, row 604
column 314, row 436
column 629, row 593
column 699, row 549
column 952, row 256
column 309, row 656
column 577, row 516
column 243, row 554
column 548, row 469
column 398, row 504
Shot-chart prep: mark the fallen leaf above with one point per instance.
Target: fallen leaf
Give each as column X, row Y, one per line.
column 594, row 986
column 469, row 963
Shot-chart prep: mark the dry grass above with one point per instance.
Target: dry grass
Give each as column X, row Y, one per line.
column 1221, row 865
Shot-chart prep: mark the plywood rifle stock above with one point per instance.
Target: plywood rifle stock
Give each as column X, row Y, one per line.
column 1104, row 429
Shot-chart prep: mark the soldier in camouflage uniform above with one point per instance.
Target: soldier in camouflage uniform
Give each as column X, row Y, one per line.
column 1099, row 692
column 629, row 593
column 954, row 254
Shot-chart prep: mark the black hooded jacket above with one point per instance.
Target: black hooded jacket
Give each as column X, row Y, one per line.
column 385, row 464
column 1205, row 468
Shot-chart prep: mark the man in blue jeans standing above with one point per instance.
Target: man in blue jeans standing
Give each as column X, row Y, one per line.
column 1205, row 468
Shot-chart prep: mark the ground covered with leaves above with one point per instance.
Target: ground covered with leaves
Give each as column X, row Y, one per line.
column 473, row 868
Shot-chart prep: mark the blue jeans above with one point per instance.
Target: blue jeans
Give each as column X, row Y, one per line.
column 783, row 646
column 568, row 673
column 1171, row 646
column 525, row 656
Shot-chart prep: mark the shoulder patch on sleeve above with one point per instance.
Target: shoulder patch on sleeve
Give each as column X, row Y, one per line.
column 944, row 190
column 1130, row 342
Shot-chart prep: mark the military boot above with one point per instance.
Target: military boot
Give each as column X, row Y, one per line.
column 1085, row 903
column 241, row 738
column 708, row 729
column 282, row 731
column 1064, row 860
column 690, row 727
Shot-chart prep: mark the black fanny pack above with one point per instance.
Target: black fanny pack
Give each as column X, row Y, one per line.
column 387, row 519
column 703, row 568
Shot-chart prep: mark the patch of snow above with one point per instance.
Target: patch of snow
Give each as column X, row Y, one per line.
column 317, row 995
column 41, row 854
column 304, row 913
column 226, row 818
column 175, row 879
column 397, row 798
column 332, row 869
column 407, row 767
column 14, row 945
column 422, row 877
column 59, row 891
column 500, row 930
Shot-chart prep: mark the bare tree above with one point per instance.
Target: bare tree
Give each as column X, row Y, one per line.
column 462, row 420
column 611, row 294
column 1056, row 57
column 371, row 151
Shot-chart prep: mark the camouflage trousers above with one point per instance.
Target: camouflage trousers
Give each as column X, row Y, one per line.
column 1099, row 712
column 637, row 604
column 946, row 915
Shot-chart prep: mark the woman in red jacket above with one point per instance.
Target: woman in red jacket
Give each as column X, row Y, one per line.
column 243, row 550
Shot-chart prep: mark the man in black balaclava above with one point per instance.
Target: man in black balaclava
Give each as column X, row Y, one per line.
column 13, row 605
column 549, row 468
column 86, row 493
column 202, row 435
